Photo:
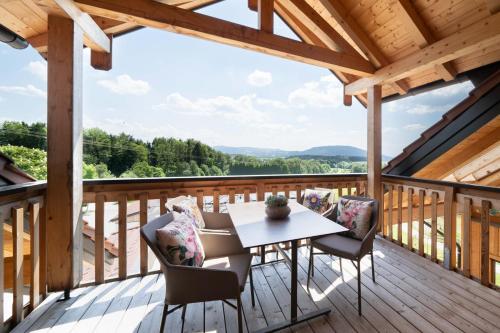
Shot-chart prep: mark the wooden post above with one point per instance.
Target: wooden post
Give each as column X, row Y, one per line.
column 266, row 15
column 374, row 141
column 102, row 60
column 64, row 154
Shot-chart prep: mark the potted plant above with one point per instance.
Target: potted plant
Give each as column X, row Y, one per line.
column 277, row 207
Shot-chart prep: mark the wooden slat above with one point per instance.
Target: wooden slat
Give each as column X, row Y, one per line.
column 122, row 236
column 421, row 219
column 231, row 196
column 466, row 230
column 34, row 208
column 265, row 10
column 274, row 190
column 390, row 205
column 374, row 132
column 298, row 192
column 216, row 202
column 287, row 191
column 1, row 278
column 43, row 251
column 18, row 263
column 246, row 195
column 163, row 203
column 199, row 199
column 434, row 197
column 485, row 242
column 450, row 232
column 143, row 211
column 400, row 215
column 410, row 219
column 157, row 15
column 99, row 239
column 481, row 34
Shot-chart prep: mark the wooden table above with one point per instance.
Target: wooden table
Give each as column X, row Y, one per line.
column 254, row 229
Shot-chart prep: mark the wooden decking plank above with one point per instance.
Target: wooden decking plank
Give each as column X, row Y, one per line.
column 137, row 307
column 195, row 318
column 214, row 317
column 50, row 317
column 343, row 304
column 396, row 316
column 254, row 317
column 305, row 303
column 282, row 295
column 114, row 314
column 37, row 313
column 412, row 278
column 401, row 308
column 447, row 288
column 464, row 283
column 369, row 312
column 72, row 314
column 438, row 314
column 152, row 319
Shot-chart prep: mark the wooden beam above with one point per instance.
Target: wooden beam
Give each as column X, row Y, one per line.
column 103, row 60
column 480, row 35
column 64, row 154
column 374, row 142
column 265, row 10
column 95, row 38
column 360, row 38
column 160, row 16
column 423, row 35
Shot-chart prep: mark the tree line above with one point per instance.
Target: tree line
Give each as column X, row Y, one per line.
column 108, row 155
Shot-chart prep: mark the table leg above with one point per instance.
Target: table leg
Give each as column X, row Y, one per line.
column 262, row 255
column 293, row 287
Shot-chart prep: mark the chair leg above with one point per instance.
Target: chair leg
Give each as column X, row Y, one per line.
column 251, row 288
column 184, row 312
column 164, row 318
column 373, row 267
column 240, row 315
column 358, row 267
column 310, row 268
column 341, row 270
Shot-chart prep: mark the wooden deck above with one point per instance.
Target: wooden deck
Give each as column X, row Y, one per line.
column 411, row 294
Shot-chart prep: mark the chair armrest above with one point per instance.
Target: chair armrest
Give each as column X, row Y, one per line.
column 217, row 220
column 186, row 284
column 220, row 243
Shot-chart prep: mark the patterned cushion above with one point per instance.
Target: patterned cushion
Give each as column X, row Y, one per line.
column 180, row 243
column 354, row 215
column 317, row 200
column 189, row 207
column 331, row 198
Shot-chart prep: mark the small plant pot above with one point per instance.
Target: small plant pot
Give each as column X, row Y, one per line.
column 278, row 213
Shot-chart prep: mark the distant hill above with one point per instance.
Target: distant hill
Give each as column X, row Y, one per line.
column 348, row 151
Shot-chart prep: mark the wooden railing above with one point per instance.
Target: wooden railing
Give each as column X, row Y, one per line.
column 22, row 250
column 456, row 225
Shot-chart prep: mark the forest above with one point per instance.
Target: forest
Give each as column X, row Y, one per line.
column 108, row 155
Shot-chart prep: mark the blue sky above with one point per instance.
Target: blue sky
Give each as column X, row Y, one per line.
column 163, row 84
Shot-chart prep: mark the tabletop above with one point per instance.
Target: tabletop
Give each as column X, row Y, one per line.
column 255, row 229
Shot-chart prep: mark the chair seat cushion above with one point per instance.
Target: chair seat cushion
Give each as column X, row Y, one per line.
column 238, row 263
column 180, row 243
column 338, row 245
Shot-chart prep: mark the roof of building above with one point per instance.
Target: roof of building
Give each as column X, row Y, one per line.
column 10, row 174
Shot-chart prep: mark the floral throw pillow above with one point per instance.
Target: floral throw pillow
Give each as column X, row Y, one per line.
column 179, row 242
column 189, row 207
column 354, row 215
column 317, row 200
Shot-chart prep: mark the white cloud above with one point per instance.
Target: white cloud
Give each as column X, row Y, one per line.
column 454, row 89
column 302, row 119
column 324, row 93
column 421, row 109
column 38, row 68
column 387, row 130
column 272, row 103
column 28, row 90
column 125, row 85
column 259, row 78
column 414, row 127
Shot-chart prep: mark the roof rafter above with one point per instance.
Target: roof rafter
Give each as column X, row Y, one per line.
column 482, row 34
column 265, row 8
column 423, row 34
column 165, row 17
column 340, row 15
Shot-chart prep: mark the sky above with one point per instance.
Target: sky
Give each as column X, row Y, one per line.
column 165, row 84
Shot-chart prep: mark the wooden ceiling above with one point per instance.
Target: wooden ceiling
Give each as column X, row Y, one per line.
column 400, row 44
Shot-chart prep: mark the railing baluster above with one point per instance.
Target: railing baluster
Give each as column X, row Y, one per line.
column 143, row 204
column 43, row 250
column 274, row 190
column 466, row 222
column 485, row 242
column 434, row 197
column 450, row 229
column 298, row 192
column 400, row 215
column 231, row 196
column 421, row 220
column 389, row 211
column 287, row 191
column 349, row 189
column 410, row 219
column 122, row 236
column 34, row 208
column 216, row 203
column 17, row 263
column 99, row 239
column 199, row 199
column 246, row 195
column 1, row 276
column 163, row 203
column 358, row 189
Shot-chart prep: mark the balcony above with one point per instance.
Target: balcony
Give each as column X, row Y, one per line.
column 432, row 284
